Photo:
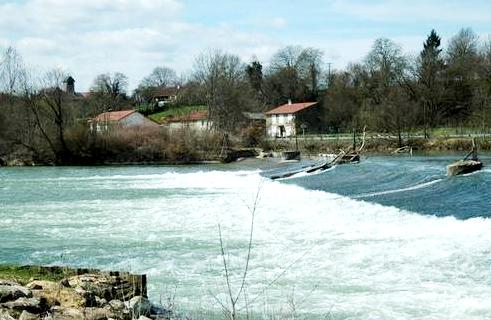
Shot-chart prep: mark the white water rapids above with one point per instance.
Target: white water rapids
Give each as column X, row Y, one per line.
column 331, row 256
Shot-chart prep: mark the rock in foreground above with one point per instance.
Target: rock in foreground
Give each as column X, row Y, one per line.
column 84, row 294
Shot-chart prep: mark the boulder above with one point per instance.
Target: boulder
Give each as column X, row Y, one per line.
column 34, row 285
column 8, row 283
column 63, row 313
column 100, row 302
column 117, row 305
column 65, row 283
column 55, row 294
column 97, row 284
column 119, row 309
column 5, row 315
column 144, row 318
column 29, row 316
column 97, row 314
column 139, row 306
column 32, row 305
column 13, row 292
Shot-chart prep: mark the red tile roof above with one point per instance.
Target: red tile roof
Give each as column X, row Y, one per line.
column 113, row 115
column 291, row 108
column 192, row 116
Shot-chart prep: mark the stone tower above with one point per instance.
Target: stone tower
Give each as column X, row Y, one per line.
column 69, row 85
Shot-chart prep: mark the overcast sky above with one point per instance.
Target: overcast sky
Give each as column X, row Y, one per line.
column 89, row 37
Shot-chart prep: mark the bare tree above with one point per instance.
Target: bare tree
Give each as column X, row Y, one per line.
column 112, row 84
column 109, row 91
column 387, row 99
column 12, row 71
column 222, row 78
column 54, row 113
column 462, row 69
column 309, row 64
column 386, row 62
column 463, row 46
column 294, row 74
column 160, row 77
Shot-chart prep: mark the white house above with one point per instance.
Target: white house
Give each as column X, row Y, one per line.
column 195, row 120
column 123, row 119
column 282, row 121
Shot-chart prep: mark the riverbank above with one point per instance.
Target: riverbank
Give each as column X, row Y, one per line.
column 378, row 144
column 308, row 147
column 61, row 293
column 25, row 159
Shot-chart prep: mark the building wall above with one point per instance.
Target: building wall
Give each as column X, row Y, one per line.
column 274, row 123
column 198, row 125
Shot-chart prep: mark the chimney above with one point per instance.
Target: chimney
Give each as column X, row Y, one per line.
column 289, row 102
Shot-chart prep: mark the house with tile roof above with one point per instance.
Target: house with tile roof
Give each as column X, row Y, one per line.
column 195, row 120
column 122, row 119
column 285, row 120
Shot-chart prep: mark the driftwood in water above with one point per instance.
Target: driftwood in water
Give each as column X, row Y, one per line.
column 353, row 155
column 349, row 158
column 405, row 149
column 342, row 157
column 469, row 164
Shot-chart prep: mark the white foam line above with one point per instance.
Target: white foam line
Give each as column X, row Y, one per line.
column 416, row 187
column 472, row 173
column 155, row 176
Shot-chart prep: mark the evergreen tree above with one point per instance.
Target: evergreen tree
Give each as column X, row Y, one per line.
column 255, row 75
column 430, row 83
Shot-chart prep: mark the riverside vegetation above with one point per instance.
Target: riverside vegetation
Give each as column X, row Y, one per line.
column 389, row 92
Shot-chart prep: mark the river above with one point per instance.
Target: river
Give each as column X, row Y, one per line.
column 388, row 238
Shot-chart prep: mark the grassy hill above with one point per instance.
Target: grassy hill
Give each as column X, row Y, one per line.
column 174, row 111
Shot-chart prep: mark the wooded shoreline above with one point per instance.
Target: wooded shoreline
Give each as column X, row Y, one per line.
column 306, row 147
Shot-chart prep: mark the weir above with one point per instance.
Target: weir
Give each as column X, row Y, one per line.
column 162, row 221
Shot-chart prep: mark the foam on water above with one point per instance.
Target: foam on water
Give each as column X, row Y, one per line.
column 337, row 256
column 411, row 188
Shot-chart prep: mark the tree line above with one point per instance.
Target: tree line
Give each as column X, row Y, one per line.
column 392, row 92
column 387, row 91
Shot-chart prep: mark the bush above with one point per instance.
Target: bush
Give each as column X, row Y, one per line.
column 142, row 145
column 253, row 135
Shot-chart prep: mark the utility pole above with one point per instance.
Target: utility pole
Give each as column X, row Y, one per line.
column 329, row 74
